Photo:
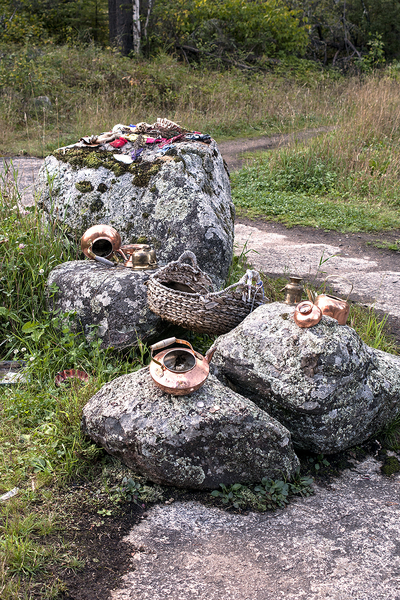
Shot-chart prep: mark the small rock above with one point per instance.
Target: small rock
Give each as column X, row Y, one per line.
column 112, row 298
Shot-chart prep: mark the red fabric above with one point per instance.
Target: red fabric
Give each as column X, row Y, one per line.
column 151, row 140
column 172, row 140
column 118, row 143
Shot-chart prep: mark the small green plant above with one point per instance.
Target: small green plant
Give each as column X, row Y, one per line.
column 269, row 494
column 230, row 494
column 319, row 462
column 390, row 435
column 134, row 491
column 131, row 490
column 276, row 493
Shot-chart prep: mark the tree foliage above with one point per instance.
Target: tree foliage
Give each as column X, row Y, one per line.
column 345, row 31
column 335, row 32
column 61, row 21
column 226, row 26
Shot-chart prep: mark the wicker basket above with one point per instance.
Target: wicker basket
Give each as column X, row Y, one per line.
column 182, row 294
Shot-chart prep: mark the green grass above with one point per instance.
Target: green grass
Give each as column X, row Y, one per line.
column 385, row 245
column 253, row 198
column 309, row 186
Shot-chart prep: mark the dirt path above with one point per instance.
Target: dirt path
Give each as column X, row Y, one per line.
column 234, row 151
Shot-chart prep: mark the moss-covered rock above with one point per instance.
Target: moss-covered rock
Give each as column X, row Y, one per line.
column 390, row 466
column 324, row 384
column 182, row 200
column 198, row 441
column 84, row 186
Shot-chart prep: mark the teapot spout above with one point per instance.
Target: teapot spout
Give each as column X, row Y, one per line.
column 209, row 355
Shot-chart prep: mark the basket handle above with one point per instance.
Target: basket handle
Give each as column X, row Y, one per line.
column 242, row 281
column 188, row 255
column 339, row 277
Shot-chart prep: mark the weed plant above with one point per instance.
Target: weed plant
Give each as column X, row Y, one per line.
column 345, row 179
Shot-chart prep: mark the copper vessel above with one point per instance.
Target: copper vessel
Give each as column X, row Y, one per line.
column 100, row 242
column 179, row 371
column 294, row 290
column 307, row 314
column 334, row 307
column 139, row 256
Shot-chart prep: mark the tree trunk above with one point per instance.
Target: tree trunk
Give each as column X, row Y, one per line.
column 120, row 24
column 136, row 26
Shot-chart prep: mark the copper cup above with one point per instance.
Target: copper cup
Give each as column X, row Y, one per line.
column 307, row 314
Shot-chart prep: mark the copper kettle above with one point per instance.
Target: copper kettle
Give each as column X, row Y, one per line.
column 139, row 256
column 100, row 242
column 179, row 371
column 334, row 307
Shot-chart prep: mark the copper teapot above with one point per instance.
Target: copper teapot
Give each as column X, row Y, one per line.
column 179, row 371
column 139, row 256
column 102, row 242
column 334, row 307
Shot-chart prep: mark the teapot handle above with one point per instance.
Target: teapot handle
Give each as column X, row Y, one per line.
column 168, row 342
column 339, row 277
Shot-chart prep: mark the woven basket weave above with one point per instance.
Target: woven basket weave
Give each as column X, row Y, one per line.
column 202, row 310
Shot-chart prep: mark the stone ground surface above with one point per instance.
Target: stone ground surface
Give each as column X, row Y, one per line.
column 342, row 543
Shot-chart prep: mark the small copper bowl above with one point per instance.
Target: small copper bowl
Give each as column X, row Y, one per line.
column 307, row 314
column 69, row 374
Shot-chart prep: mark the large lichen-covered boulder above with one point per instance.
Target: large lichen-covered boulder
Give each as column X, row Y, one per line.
column 212, row 436
column 177, row 201
column 109, row 303
column 324, row 384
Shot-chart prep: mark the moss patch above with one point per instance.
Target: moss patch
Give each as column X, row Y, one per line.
column 80, row 158
column 84, row 186
column 390, row 466
column 144, row 172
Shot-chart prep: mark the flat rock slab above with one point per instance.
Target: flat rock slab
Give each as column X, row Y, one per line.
column 281, row 253
column 323, row 383
column 341, row 543
column 111, row 299
column 21, row 174
column 198, row 441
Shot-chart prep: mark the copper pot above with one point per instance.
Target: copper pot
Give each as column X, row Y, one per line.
column 139, row 256
column 334, row 307
column 179, row 371
column 100, row 242
column 307, row 314
column 293, row 290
